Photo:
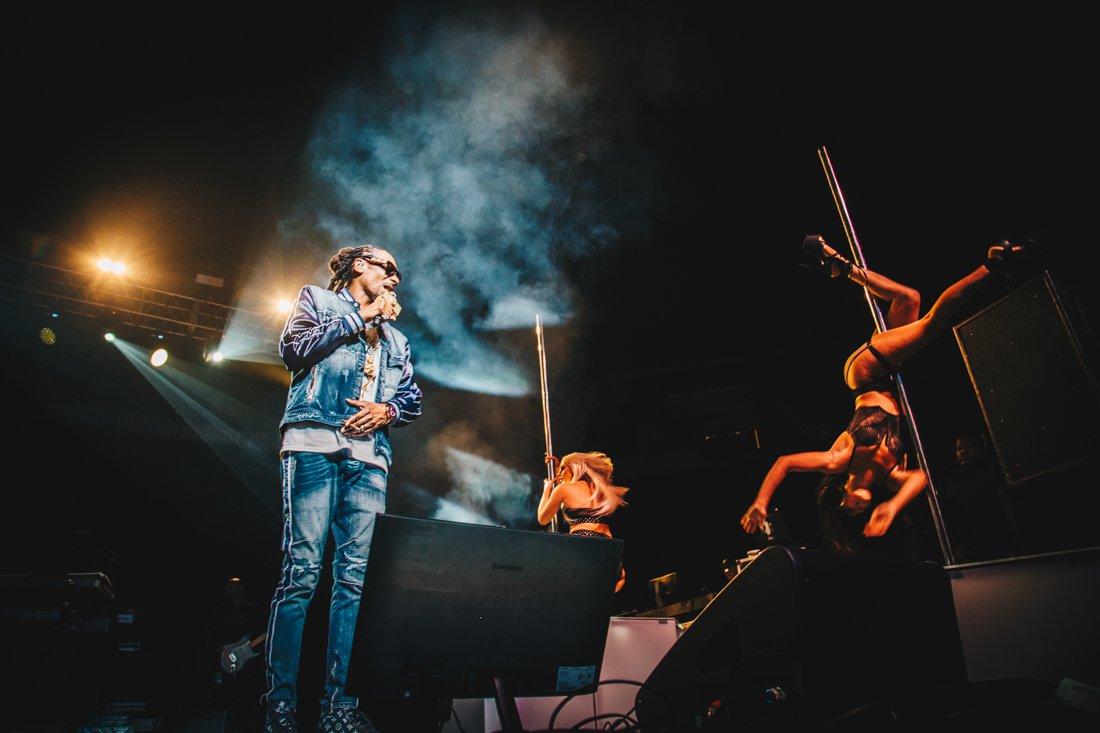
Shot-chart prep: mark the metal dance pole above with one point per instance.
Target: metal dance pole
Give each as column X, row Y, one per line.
column 545, row 410
column 880, row 326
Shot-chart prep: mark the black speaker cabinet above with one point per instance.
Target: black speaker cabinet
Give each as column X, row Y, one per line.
column 1029, row 373
column 801, row 637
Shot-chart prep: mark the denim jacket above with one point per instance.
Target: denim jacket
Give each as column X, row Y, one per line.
column 323, row 347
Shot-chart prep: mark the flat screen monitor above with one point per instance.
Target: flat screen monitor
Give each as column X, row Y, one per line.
column 465, row 603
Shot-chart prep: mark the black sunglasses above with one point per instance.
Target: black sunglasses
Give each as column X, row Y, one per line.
column 389, row 267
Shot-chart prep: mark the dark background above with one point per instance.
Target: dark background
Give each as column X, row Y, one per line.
column 949, row 132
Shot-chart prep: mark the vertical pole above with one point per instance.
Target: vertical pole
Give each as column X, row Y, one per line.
column 880, row 325
column 545, row 390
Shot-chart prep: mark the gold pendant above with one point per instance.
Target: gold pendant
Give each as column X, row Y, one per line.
column 368, row 365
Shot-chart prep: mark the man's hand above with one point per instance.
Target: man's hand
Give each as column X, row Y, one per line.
column 754, row 518
column 371, row 416
column 385, row 305
column 881, row 519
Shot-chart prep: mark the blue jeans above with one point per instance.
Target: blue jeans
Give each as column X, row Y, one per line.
column 321, row 491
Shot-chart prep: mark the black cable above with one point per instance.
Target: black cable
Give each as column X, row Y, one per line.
column 457, row 721
column 560, row 705
column 636, row 683
column 625, row 716
column 631, row 723
column 594, row 718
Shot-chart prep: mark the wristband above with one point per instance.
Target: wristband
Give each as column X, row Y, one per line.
column 392, row 412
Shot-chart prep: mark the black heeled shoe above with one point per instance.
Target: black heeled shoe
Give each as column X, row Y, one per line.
column 1013, row 260
column 834, row 265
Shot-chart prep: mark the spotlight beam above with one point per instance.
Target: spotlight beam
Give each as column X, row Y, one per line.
column 241, row 452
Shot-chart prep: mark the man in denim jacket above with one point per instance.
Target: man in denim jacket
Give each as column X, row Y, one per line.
column 352, row 379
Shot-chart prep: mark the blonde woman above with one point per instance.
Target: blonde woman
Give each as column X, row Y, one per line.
column 582, row 488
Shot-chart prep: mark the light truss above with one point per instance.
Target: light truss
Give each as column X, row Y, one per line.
column 111, row 297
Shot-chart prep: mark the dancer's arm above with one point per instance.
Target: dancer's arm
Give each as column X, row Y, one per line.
column 552, row 497
column 907, row 485
column 834, row 460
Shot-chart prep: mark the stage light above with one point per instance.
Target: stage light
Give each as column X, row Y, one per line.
column 216, row 357
column 159, row 357
column 108, row 265
column 108, row 337
column 284, row 305
column 55, row 314
column 47, row 336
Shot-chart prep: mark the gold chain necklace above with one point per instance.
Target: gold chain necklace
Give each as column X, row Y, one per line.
column 373, row 345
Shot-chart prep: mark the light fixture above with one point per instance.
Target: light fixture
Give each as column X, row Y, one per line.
column 112, row 266
column 47, row 336
column 108, row 337
column 159, row 357
column 217, row 356
column 284, row 305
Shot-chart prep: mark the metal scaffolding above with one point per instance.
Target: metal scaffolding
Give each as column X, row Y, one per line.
column 120, row 301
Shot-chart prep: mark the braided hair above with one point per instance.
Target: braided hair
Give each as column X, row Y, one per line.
column 341, row 264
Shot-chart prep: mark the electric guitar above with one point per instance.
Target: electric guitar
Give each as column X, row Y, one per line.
column 235, row 655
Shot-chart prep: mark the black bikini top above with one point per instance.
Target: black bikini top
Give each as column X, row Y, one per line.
column 584, row 516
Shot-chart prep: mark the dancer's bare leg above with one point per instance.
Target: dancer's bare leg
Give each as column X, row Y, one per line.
column 898, row 344
column 904, row 301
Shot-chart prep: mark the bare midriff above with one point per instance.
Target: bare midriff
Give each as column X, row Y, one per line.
column 885, row 400
column 599, row 527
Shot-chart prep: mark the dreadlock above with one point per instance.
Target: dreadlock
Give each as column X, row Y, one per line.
column 341, row 262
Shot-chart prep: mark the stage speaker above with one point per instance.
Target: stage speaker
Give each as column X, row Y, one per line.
column 803, row 637
column 1028, row 370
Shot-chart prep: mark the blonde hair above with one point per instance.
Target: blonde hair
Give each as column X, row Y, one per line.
column 595, row 470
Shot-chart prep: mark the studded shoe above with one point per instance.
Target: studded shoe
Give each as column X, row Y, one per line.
column 345, row 720
column 279, row 718
column 1014, row 261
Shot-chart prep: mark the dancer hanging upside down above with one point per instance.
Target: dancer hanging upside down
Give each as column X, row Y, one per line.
column 865, row 464
column 582, row 488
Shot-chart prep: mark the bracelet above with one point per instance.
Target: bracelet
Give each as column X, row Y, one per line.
column 392, row 412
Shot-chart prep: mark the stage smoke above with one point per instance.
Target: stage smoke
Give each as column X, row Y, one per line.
column 483, row 489
column 478, row 156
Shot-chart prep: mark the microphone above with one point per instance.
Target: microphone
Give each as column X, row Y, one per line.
column 391, row 298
